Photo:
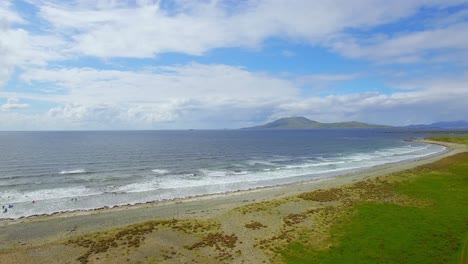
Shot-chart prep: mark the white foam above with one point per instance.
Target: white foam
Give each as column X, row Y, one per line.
column 77, row 171
column 324, row 166
column 259, row 162
column 314, row 164
column 160, row 171
column 139, row 187
column 45, row 194
column 240, row 172
column 214, row 173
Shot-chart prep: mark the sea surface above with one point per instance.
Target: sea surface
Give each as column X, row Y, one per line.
column 47, row 172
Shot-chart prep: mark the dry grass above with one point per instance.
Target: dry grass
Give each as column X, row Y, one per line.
column 329, row 195
column 134, row 235
column 255, row 225
column 222, row 243
column 264, row 206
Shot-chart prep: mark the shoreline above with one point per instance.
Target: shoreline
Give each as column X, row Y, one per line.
column 36, row 230
column 234, row 192
column 449, row 148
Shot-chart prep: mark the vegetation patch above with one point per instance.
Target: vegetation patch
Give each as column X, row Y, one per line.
column 217, row 240
column 222, row 243
column 388, row 223
column 328, row 195
column 293, row 219
column 255, row 225
column 263, row 206
column 451, row 139
column 378, row 189
column 134, row 235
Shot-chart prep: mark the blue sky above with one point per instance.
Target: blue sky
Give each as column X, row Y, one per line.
column 228, row 64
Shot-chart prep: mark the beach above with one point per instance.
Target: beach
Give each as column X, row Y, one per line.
column 219, row 131
column 33, row 233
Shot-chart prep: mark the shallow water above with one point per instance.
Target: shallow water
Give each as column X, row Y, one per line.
column 125, row 167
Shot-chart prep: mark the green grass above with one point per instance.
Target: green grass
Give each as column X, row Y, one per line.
column 432, row 232
column 451, row 139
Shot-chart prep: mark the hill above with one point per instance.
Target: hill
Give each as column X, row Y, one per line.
column 305, row 123
column 442, row 125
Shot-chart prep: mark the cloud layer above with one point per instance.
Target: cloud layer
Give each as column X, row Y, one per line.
column 96, row 64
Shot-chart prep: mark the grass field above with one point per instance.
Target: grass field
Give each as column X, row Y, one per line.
column 451, row 139
column 432, row 228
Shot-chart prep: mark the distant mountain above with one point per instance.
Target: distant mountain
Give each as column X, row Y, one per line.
column 442, row 125
column 304, row 123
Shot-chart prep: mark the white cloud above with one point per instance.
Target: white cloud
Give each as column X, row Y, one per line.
column 20, row 48
column 157, row 96
column 431, row 100
column 217, row 95
column 407, row 47
column 166, row 115
column 313, row 78
column 115, row 115
column 7, row 16
column 435, row 99
column 193, row 81
column 194, row 27
column 81, row 113
column 395, row 109
column 144, row 29
column 109, row 29
column 12, row 104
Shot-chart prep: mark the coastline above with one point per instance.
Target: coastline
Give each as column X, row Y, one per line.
column 240, row 192
column 36, row 229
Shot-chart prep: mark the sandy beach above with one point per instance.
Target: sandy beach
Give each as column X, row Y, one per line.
column 28, row 236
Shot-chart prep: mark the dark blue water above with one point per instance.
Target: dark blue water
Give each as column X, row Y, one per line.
column 122, row 167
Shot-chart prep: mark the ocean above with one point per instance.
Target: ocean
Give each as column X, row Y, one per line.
column 47, row 172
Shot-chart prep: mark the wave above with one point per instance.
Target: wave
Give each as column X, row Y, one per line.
column 77, row 171
column 222, row 173
column 160, row 171
column 182, row 182
column 16, row 196
column 323, row 167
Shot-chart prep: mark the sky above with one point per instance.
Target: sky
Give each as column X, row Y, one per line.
column 215, row 64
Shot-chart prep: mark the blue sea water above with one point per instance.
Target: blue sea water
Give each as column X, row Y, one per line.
column 107, row 168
